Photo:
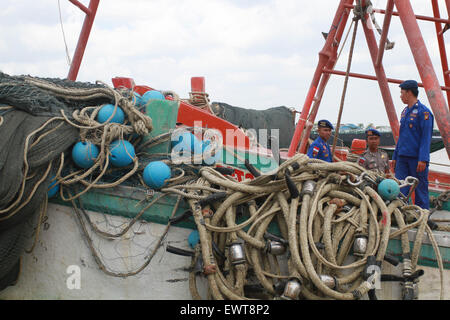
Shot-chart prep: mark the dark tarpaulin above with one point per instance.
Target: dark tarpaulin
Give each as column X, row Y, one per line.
column 281, row 118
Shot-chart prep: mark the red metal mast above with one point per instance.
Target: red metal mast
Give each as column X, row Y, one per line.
column 324, row 57
column 426, row 71
column 381, row 76
column 442, row 51
column 423, row 62
column 84, row 36
column 324, row 80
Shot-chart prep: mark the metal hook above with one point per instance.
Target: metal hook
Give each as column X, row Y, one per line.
column 359, row 180
column 409, row 182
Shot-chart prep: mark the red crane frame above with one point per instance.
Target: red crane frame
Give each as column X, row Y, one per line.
column 84, row 35
column 328, row 56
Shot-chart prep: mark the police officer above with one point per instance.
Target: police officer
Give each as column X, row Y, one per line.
column 320, row 149
column 374, row 159
column 412, row 152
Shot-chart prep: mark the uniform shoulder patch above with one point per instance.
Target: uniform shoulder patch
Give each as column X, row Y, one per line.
column 361, row 161
column 315, row 151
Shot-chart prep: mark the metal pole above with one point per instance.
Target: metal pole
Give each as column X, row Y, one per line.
column 367, row 77
column 386, row 24
column 344, row 91
column 313, row 113
column 324, row 56
column 323, row 83
column 426, row 71
column 84, row 36
column 418, row 17
column 81, row 6
column 447, row 3
column 382, row 80
column 442, row 50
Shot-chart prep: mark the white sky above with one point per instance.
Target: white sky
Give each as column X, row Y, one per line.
column 253, row 53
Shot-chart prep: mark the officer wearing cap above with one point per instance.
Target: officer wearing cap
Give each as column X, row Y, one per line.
column 320, row 149
column 374, row 158
column 412, row 152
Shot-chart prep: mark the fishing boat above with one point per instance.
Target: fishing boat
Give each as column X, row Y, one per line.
column 239, row 219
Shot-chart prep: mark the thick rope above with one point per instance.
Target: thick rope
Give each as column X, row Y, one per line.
column 306, row 227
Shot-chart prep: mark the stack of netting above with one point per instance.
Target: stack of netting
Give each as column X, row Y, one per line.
column 305, row 232
column 40, row 119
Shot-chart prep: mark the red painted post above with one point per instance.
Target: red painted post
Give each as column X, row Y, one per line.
column 447, row 3
column 368, row 77
column 198, row 84
column 84, row 36
column 383, row 38
column 324, row 56
column 382, row 80
column 426, row 71
column 81, row 6
column 323, row 84
column 307, row 106
column 312, row 116
column 418, row 17
column 442, row 51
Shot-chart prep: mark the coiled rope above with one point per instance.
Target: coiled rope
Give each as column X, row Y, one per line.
column 313, row 226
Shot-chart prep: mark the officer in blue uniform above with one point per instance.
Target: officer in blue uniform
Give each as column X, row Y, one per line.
column 412, row 152
column 320, row 149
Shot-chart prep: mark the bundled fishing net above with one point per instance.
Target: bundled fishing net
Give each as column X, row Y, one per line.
column 40, row 119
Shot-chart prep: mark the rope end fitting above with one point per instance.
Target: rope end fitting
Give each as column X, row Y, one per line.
column 308, row 187
column 292, row 289
column 340, row 203
column 209, row 269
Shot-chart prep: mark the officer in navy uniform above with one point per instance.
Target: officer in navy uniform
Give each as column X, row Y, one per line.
column 374, row 158
column 412, row 152
column 320, row 149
